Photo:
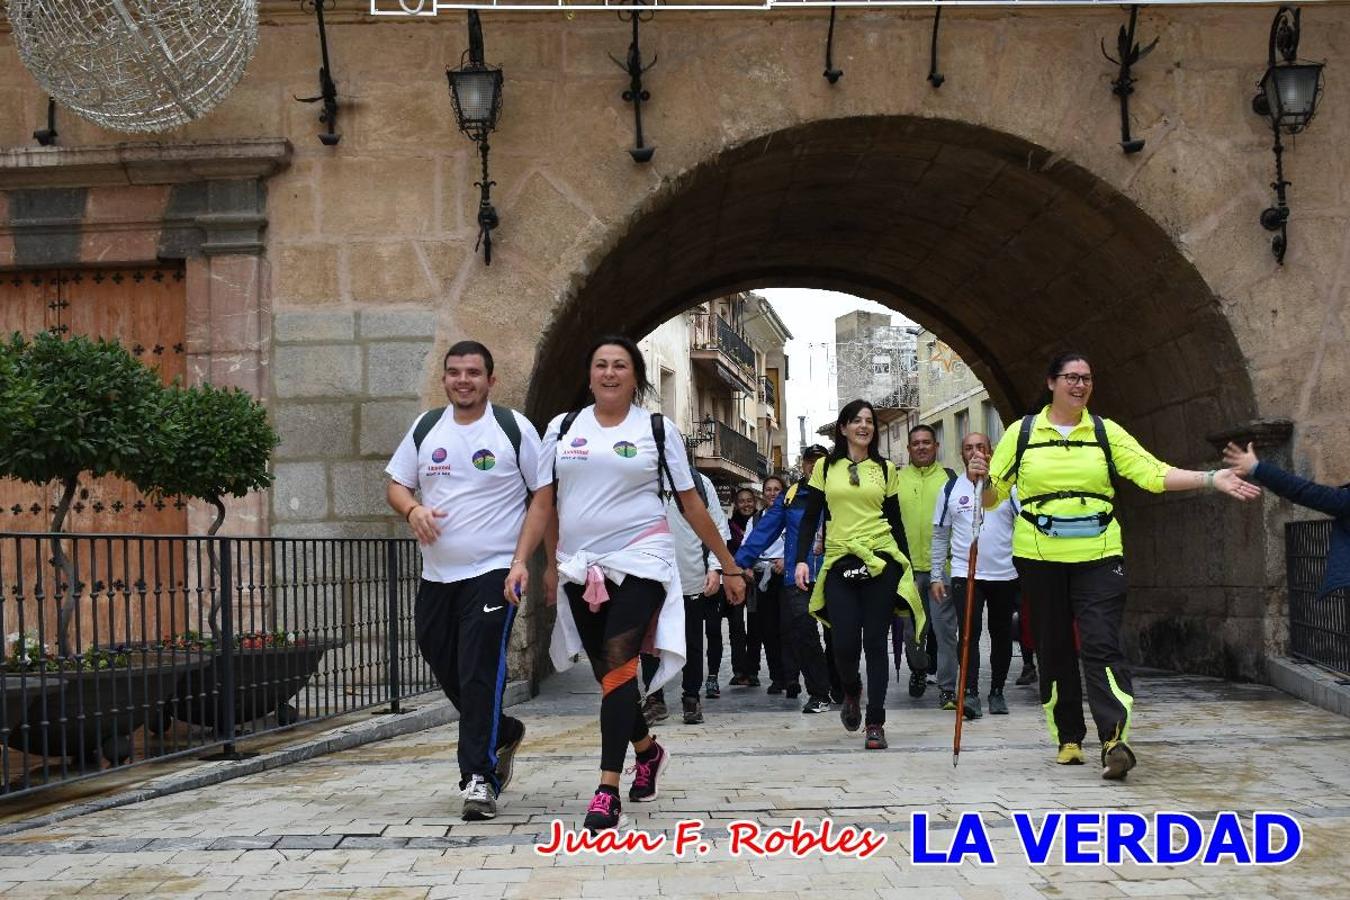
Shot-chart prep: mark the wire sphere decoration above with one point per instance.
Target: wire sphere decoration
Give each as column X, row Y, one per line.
column 136, row 65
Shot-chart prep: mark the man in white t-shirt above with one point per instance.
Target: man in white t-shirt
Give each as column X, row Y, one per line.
column 474, row 465
column 996, row 582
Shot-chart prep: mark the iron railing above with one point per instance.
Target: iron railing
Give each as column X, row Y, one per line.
column 122, row 649
column 767, row 391
column 731, row 445
column 1319, row 628
column 712, row 332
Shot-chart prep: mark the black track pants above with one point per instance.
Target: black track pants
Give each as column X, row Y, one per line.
column 1000, row 599
column 462, row 630
column 1093, row 595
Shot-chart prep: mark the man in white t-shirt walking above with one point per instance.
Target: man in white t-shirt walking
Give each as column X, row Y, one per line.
column 996, row 584
column 474, row 465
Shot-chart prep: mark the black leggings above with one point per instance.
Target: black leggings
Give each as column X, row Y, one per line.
column 860, row 614
column 612, row 638
column 715, row 609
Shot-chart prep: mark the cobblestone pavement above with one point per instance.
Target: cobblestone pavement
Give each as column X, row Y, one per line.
column 381, row 820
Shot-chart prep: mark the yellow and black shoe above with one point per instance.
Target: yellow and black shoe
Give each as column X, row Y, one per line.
column 1070, row 754
column 1117, row 760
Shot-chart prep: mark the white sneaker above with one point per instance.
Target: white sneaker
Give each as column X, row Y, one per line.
column 479, row 802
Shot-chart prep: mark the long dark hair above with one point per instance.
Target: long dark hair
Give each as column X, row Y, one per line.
column 1056, row 366
column 840, row 449
column 644, row 387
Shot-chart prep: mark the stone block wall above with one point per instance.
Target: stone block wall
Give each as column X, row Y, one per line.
column 346, row 386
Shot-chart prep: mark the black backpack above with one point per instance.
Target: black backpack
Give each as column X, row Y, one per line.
column 1024, row 444
column 506, row 420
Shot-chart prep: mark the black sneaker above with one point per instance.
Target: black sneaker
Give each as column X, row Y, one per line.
column 947, row 701
column 752, row 681
column 506, row 756
column 693, row 711
column 711, row 689
column 971, row 707
column 793, row 691
column 816, row 705
column 775, row 687
column 604, row 813
column 739, row 680
column 851, row 714
column 646, row 774
column 918, row 683
column 997, row 705
column 876, row 738
column 1028, row 676
column 480, row 804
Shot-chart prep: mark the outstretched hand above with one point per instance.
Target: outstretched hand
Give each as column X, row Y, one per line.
column 1239, row 460
column 1227, row 480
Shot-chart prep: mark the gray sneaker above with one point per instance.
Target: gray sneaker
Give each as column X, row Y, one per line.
column 693, row 710
column 506, row 757
column 997, row 705
column 654, row 710
column 479, row 802
column 971, row 707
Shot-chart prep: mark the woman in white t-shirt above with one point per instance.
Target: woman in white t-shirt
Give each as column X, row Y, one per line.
column 620, row 590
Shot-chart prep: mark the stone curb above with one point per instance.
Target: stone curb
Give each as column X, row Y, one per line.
column 433, row 715
column 1309, row 682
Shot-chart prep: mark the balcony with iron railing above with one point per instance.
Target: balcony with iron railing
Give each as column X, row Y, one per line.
column 719, row 350
column 722, row 450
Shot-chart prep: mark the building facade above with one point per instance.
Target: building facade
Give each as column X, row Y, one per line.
column 877, row 361
column 999, row 212
column 952, row 399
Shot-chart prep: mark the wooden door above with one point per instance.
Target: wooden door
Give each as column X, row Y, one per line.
column 142, row 308
column 131, row 591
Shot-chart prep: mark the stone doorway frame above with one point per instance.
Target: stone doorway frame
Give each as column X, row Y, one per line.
column 199, row 203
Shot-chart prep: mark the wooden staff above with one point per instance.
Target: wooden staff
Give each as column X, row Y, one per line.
column 977, row 522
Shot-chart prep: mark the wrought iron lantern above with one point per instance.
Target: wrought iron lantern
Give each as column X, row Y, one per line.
column 132, row 66
column 1288, row 96
column 476, row 92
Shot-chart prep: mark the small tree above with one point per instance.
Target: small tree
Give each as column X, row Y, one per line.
column 72, row 407
column 219, row 445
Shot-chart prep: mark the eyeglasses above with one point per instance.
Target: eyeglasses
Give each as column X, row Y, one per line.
column 853, row 474
column 1075, row 378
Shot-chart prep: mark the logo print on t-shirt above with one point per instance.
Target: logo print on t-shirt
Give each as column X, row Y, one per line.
column 484, row 460
column 965, row 500
column 578, row 442
column 438, row 455
column 626, row 449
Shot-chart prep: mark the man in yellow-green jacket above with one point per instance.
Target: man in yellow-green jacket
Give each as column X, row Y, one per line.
column 921, row 482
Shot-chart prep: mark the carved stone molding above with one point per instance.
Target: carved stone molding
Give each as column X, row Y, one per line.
column 1264, row 434
column 142, row 163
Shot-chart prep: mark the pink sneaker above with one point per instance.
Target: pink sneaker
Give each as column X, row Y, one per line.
column 646, row 774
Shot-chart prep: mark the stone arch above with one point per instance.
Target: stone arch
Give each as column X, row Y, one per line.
column 1008, row 251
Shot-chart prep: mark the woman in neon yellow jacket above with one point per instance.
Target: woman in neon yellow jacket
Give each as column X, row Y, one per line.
column 1068, row 552
column 865, row 578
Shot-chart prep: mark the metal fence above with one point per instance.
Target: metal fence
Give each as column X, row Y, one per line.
column 122, row 649
column 1319, row 628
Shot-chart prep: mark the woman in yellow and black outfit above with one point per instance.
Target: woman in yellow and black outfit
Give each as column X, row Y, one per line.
column 1068, row 553
column 865, row 578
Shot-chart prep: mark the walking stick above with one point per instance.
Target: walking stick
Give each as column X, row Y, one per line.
column 977, row 521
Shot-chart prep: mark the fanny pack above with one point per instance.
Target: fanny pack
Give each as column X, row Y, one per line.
column 1091, row 526
column 851, row 568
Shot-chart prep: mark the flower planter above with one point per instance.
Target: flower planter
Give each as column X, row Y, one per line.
column 89, row 715
column 265, row 678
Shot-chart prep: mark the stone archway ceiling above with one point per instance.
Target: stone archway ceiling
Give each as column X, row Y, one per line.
column 1005, row 250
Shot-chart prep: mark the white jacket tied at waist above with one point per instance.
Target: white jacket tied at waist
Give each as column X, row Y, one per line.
column 651, row 556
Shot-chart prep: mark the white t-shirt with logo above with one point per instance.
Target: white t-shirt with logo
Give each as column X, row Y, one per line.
column 469, row 473
column 607, row 488
column 994, row 562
